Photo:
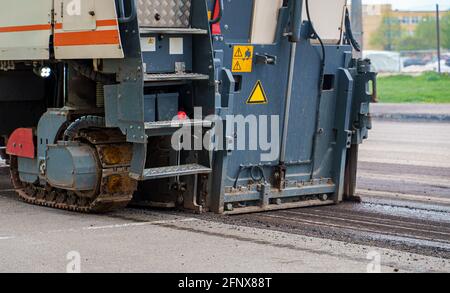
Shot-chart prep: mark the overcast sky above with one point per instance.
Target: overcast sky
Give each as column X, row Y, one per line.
column 413, row 4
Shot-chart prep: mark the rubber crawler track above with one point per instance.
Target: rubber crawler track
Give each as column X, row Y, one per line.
column 102, row 200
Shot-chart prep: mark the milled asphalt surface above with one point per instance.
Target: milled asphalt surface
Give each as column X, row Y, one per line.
column 411, row 112
column 407, row 158
column 35, row 239
column 405, row 218
column 404, row 182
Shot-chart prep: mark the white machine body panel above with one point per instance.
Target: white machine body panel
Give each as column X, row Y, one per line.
column 25, row 29
column 265, row 21
column 328, row 18
column 87, row 29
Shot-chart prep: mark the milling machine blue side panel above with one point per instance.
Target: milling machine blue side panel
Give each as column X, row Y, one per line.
column 28, row 170
column 79, row 172
column 124, row 101
column 312, row 143
column 162, row 60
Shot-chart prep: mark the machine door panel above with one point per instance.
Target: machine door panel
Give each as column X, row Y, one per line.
column 78, row 16
column 260, row 100
column 86, row 29
column 25, row 29
column 260, row 92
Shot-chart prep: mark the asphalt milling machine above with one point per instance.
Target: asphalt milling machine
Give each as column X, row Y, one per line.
column 231, row 106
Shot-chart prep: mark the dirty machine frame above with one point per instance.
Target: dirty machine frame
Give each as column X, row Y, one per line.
column 207, row 105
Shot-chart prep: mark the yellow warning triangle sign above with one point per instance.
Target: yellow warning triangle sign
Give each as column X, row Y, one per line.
column 237, row 66
column 258, row 95
column 238, row 53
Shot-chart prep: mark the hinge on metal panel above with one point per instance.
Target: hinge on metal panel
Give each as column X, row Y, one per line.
column 349, row 138
column 365, row 108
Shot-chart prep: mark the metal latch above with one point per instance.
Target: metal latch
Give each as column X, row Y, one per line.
column 266, row 59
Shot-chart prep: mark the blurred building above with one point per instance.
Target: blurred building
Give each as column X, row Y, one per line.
column 373, row 16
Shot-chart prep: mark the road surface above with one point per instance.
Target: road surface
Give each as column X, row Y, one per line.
column 404, row 221
column 404, row 180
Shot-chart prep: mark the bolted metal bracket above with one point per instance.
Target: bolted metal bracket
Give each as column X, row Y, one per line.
column 265, row 194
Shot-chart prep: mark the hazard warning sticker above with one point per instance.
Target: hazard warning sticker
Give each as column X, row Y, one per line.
column 258, row 95
column 242, row 59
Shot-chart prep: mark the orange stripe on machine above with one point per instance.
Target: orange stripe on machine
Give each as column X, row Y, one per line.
column 25, row 28
column 43, row 27
column 107, row 22
column 108, row 37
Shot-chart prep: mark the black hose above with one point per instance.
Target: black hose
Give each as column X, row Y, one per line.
column 238, row 176
column 320, row 87
column 322, row 46
column 349, row 32
column 219, row 16
column 252, row 174
column 261, row 170
column 133, row 13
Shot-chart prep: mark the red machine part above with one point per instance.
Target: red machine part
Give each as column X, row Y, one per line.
column 21, row 143
column 216, row 30
column 182, row 115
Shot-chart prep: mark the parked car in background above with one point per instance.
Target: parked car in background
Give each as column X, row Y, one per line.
column 414, row 62
column 384, row 61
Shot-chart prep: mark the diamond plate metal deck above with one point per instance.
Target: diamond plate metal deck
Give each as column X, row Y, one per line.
column 164, row 13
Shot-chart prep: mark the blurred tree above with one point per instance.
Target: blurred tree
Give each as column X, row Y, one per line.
column 424, row 37
column 391, row 37
column 412, row 43
column 388, row 35
column 445, row 31
column 425, row 34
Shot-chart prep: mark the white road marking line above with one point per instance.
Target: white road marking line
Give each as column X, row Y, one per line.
column 7, row 237
column 106, row 227
column 127, row 225
column 397, row 195
column 418, row 179
column 370, row 157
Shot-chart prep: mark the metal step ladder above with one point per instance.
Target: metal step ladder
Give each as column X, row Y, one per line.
column 175, row 171
column 171, row 18
column 165, row 128
column 182, row 76
column 175, row 76
column 169, row 30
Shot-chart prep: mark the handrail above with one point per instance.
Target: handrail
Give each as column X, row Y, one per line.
column 123, row 18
